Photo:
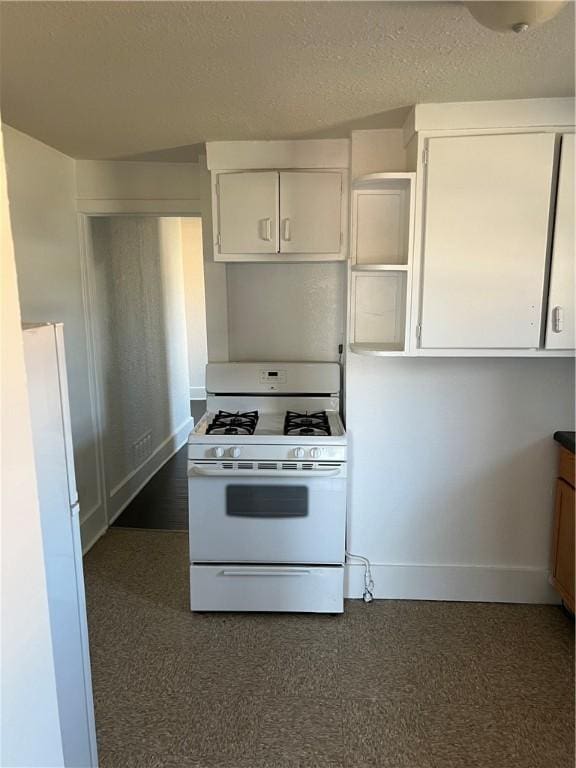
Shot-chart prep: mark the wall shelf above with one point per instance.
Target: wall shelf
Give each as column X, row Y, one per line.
column 381, row 259
column 381, row 178
column 380, row 268
column 381, row 204
column 378, row 350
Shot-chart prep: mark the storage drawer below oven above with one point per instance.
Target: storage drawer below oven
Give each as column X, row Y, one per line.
column 267, row 588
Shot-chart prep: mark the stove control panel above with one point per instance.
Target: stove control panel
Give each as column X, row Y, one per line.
column 296, row 453
column 273, row 379
column 267, row 452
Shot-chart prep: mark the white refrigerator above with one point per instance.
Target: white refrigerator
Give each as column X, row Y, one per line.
column 59, row 511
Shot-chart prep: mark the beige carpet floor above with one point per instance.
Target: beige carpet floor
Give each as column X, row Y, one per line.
column 393, row 684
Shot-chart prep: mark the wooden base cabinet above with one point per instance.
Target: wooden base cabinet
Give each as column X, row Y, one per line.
column 564, row 531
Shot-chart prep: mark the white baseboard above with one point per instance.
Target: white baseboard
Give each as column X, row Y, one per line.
column 123, row 493
column 197, row 393
column 473, row 583
column 92, row 527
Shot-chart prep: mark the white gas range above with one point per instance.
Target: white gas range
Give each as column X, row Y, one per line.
column 267, row 490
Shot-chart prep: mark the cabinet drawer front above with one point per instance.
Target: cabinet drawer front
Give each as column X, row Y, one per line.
column 266, row 588
column 487, row 210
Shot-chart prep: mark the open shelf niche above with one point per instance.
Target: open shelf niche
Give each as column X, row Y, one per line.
column 381, row 262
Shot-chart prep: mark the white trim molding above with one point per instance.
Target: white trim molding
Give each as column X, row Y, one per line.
column 125, row 491
column 92, row 527
column 303, row 153
column 97, row 520
column 468, row 115
column 468, row 583
column 93, row 523
column 138, row 207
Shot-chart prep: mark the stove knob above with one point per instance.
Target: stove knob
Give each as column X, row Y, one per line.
column 299, row 453
column 235, row 452
column 218, row 452
column 315, row 453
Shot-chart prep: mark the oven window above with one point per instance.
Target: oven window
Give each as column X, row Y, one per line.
column 266, row 501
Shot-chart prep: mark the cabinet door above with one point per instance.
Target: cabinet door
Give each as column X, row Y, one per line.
column 560, row 318
column 248, row 212
column 487, row 209
column 310, row 211
column 563, row 566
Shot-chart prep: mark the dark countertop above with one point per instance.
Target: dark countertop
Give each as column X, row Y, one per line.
column 566, row 439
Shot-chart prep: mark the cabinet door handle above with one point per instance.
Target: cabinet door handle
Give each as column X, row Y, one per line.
column 286, row 230
column 557, row 319
column 266, row 229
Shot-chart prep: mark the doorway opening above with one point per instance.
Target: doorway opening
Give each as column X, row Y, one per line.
column 148, row 328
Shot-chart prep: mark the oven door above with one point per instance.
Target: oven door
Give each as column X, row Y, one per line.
column 275, row 517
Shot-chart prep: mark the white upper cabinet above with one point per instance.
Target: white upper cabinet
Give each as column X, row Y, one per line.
column 310, row 211
column 486, row 223
column 247, row 211
column 560, row 316
column 279, row 215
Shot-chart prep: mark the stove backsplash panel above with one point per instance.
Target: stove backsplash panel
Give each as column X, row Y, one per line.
column 286, row 311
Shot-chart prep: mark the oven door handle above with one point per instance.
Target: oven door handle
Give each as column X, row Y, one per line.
column 199, row 470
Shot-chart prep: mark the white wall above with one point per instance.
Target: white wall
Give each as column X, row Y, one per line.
column 378, row 150
column 30, row 729
column 286, row 311
column 136, row 269
column 193, row 259
column 42, row 192
column 452, row 464
column 48, row 189
column 137, row 181
column 162, row 188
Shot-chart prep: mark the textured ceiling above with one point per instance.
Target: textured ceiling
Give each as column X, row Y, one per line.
column 111, row 79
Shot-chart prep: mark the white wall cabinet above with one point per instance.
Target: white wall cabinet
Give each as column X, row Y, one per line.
column 248, row 212
column 560, row 332
column 487, row 201
column 293, row 215
column 310, row 211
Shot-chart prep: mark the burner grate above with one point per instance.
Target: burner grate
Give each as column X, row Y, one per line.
column 307, row 424
column 226, row 423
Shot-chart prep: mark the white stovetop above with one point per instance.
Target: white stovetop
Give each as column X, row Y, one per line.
column 270, row 430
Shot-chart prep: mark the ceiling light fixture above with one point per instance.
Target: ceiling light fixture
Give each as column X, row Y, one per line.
column 515, row 16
